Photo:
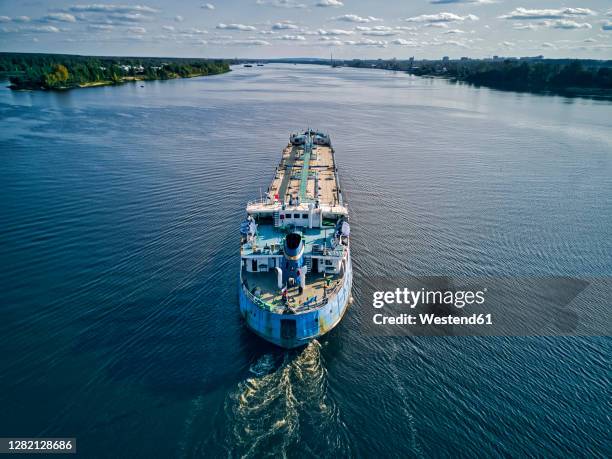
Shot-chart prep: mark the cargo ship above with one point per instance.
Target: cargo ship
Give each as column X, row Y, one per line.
column 295, row 268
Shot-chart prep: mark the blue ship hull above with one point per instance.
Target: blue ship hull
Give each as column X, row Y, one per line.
column 277, row 329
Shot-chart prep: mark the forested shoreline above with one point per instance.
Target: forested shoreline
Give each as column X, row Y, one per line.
column 61, row 71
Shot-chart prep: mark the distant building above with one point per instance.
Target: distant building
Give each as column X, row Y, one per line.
column 445, row 59
column 464, row 58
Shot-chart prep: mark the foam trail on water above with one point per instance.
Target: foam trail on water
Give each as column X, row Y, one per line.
column 277, row 410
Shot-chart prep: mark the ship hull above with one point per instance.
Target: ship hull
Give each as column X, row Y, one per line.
column 295, row 330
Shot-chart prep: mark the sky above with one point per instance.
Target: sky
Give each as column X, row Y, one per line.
column 310, row 28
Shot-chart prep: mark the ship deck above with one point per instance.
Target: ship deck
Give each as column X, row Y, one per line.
column 300, row 169
column 313, row 293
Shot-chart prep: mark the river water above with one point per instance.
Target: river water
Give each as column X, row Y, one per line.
column 119, row 229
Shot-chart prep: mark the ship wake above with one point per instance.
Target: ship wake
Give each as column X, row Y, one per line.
column 284, row 408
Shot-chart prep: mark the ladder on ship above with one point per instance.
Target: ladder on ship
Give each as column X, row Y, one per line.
column 308, row 264
column 276, row 217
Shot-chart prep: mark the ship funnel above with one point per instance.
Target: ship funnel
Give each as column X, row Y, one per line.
column 294, row 257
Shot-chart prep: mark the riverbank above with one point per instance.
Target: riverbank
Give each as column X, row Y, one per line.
column 63, row 72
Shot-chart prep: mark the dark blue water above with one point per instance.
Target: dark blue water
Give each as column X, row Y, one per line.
column 119, row 320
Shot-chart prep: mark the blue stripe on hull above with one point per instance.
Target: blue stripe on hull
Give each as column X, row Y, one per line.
column 309, row 325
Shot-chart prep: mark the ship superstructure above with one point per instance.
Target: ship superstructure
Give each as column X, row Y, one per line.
column 295, row 272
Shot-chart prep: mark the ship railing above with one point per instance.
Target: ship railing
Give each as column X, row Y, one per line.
column 258, row 301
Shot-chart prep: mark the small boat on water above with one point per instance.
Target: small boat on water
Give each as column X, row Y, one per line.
column 295, row 270
column 247, row 65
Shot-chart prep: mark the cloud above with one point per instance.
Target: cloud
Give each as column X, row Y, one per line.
column 179, row 18
column 355, row 18
column 242, row 27
column 249, row 42
column 567, row 24
column 291, row 38
column 606, row 25
column 169, row 28
column 548, row 45
column 442, row 18
column 402, row 42
column 208, row 6
column 524, row 27
column 507, row 44
column 109, row 8
column 477, row 2
column 59, row 17
column 367, row 42
column 454, row 31
column 524, row 13
column 22, row 19
column 5, row 19
column 284, row 25
column 335, row 32
column 380, row 31
column 137, row 30
column 330, row 42
column 102, row 27
column 329, row 3
column 44, row 29
column 281, row 3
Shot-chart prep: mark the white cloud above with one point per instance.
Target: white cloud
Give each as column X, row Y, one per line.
column 367, row 42
column 284, row 25
column 328, row 3
column 478, row 2
column 5, row 19
column 22, row 19
column 179, row 18
column 442, row 18
column 380, row 32
column 568, row 24
column 329, row 42
column 102, row 27
column 355, row 18
column 548, row 45
column 454, row 31
column 335, row 32
column 402, row 42
column 109, row 8
column 281, row 3
column 169, row 28
column 208, row 6
column 242, row 27
column 249, row 42
column 291, row 38
column 507, row 44
column 524, row 27
column 524, row 13
column 59, row 17
column 137, row 30
column 45, row 29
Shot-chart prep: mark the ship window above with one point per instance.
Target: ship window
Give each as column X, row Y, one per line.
column 304, row 215
column 296, row 215
column 282, row 216
column 328, row 262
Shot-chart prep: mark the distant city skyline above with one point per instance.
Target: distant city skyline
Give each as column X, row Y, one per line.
column 310, row 28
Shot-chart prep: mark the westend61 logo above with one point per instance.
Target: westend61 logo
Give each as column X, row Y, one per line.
column 412, row 298
column 485, row 306
column 405, row 297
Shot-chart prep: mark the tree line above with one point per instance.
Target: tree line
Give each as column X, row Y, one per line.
column 58, row 71
column 525, row 74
